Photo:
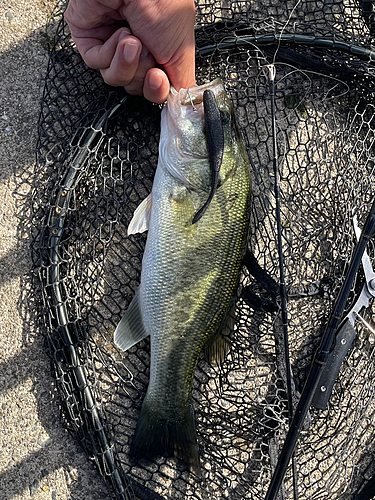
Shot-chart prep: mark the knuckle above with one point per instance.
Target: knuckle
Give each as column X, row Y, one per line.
column 110, row 80
column 114, row 81
column 91, row 63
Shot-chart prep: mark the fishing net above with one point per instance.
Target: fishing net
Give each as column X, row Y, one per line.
column 96, row 157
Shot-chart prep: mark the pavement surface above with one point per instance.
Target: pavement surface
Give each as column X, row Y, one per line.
column 38, row 458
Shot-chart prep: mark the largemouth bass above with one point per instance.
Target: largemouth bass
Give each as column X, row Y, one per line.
column 190, row 271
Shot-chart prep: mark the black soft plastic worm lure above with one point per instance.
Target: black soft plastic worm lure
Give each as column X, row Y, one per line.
column 215, row 142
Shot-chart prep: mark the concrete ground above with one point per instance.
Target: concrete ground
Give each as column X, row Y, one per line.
column 38, row 458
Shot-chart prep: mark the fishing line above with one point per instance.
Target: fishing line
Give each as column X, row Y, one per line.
column 283, row 29
column 293, row 39
column 271, row 71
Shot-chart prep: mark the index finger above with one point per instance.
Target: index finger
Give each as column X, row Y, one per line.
column 98, row 46
column 181, row 72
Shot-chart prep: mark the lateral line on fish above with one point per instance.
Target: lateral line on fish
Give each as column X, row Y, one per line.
column 215, row 143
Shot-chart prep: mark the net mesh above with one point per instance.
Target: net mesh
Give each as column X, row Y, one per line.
column 96, row 157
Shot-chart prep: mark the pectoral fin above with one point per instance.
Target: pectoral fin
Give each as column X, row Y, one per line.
column 218, row 348
column 131, row 328
column 141, row 217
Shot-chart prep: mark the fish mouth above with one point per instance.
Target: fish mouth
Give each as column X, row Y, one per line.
column 193, row 96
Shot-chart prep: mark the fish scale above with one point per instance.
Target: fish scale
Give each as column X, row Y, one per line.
column 190, row 272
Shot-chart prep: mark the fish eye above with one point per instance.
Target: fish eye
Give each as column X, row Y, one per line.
column 225, row 117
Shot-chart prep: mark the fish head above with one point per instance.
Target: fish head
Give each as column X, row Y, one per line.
column 183, row 142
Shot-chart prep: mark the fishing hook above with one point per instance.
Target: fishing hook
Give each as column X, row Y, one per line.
column 190, row 98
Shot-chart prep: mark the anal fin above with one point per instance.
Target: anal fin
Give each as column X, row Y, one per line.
column 131, row 328
column 218, row 347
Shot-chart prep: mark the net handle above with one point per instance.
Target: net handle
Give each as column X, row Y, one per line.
column 320, row 359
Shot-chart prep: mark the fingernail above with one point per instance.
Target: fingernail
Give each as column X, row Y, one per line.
column 130, row 51
column 155, row 81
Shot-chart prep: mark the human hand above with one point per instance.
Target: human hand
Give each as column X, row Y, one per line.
column 160, row 33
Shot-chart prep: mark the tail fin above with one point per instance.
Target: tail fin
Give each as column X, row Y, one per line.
column 172, row 435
